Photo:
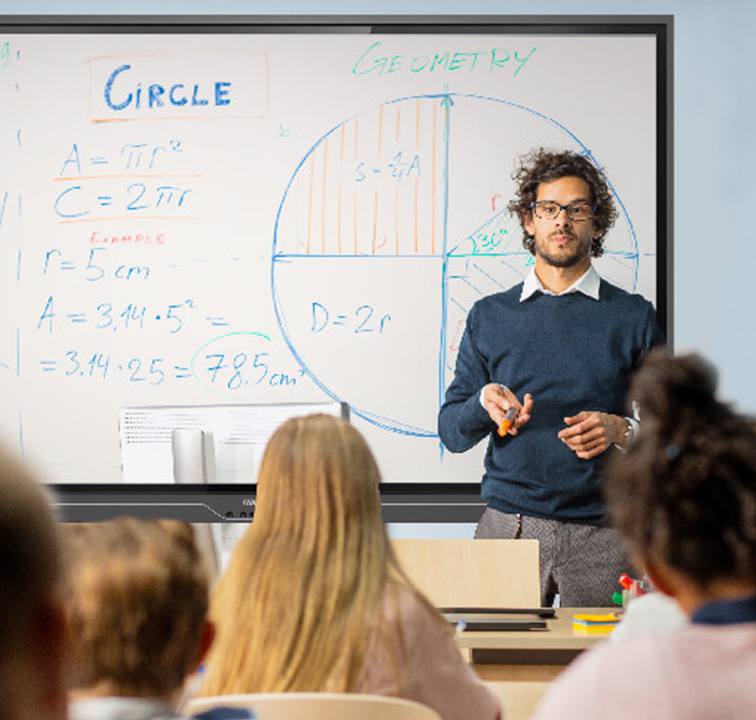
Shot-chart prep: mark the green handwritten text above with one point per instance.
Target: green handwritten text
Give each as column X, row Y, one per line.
column 375, row 60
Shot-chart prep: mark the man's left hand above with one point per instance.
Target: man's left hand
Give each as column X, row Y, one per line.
column 589, row 433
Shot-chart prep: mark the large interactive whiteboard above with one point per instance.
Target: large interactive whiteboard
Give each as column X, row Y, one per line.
column 240, row 210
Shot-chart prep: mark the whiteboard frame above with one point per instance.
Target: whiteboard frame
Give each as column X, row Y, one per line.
column 416, row 502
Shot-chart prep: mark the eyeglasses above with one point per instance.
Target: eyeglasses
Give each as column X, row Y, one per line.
column 549, row 210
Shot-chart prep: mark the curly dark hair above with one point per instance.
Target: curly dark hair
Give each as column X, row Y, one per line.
column 684, row 492
column 540, row 166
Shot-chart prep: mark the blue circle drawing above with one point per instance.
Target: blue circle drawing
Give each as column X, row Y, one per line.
column 374, row 229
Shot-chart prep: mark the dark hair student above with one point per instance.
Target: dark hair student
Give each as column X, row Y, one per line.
column 685, row 491
column 683, row 499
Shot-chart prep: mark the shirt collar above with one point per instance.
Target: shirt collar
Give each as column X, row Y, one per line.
column 587, row 284
column 726, row 612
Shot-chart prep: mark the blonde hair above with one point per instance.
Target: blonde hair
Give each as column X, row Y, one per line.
column 304, row 591
column 137, row 594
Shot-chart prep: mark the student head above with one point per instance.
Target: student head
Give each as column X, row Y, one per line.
column 540, row 167
column 304, row 584
column 683, row 496
column 136, row 599
column 31, row 614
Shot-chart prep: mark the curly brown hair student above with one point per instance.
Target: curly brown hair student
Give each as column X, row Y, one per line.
column 313, row 598
column 683, row 497
column 136, row 598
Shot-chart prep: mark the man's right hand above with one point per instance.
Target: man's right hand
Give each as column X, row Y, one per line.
column 497, row 399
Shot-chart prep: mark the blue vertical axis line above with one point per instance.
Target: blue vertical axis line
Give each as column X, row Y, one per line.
column 446, row 102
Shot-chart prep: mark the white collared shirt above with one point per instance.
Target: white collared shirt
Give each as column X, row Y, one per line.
column 588, row 284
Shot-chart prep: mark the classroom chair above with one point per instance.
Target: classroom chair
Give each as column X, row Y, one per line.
column 318, row 706
column 473, row 573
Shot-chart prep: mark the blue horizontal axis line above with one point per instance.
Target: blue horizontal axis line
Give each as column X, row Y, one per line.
column 282, row 257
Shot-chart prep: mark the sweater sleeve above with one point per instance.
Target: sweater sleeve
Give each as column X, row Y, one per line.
column 654, row 336
column 573, row 695
column 462, row 421
column 414, row 656
column 636, row 680
column 438, row 675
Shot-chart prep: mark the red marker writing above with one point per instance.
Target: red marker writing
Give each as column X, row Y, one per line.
column 506, row 423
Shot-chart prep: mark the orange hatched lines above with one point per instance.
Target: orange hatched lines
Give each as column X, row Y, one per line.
column 354, row 193
column 375, row 208
column 354, row 217
column 396, row 216
column 309, row 208
column 323, row 199
column 375, row 219
column 338, row 224
column 341, row 162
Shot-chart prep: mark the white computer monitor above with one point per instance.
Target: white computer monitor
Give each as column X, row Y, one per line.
column 220, row 444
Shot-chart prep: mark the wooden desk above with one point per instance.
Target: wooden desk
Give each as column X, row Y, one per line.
column 557, row 645
column 520, row 665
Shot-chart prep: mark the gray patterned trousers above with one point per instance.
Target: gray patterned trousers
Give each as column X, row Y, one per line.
column 580, row 562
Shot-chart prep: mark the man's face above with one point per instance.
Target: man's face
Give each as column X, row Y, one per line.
column 562, row 242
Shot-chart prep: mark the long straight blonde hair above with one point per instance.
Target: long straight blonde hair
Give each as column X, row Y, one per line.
column 304, row 590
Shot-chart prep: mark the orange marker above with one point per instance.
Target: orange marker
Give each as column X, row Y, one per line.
column 506, row 423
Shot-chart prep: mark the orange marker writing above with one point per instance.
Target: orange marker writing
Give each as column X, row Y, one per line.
column 506, row 423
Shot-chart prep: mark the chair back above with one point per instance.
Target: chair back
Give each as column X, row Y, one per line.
column 317, row 706
column 473, row 573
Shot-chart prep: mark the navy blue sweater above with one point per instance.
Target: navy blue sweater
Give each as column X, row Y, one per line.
column 572, row 353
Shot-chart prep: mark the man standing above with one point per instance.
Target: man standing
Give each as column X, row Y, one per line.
column 560, row 348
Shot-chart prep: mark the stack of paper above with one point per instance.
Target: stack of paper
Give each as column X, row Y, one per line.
column 595, row 624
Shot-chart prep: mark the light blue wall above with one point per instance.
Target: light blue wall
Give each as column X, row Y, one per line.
column 715, row 149
column 714, row 144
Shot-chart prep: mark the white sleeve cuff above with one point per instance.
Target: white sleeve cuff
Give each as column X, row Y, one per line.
column 631, row 430
column 482, row 390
